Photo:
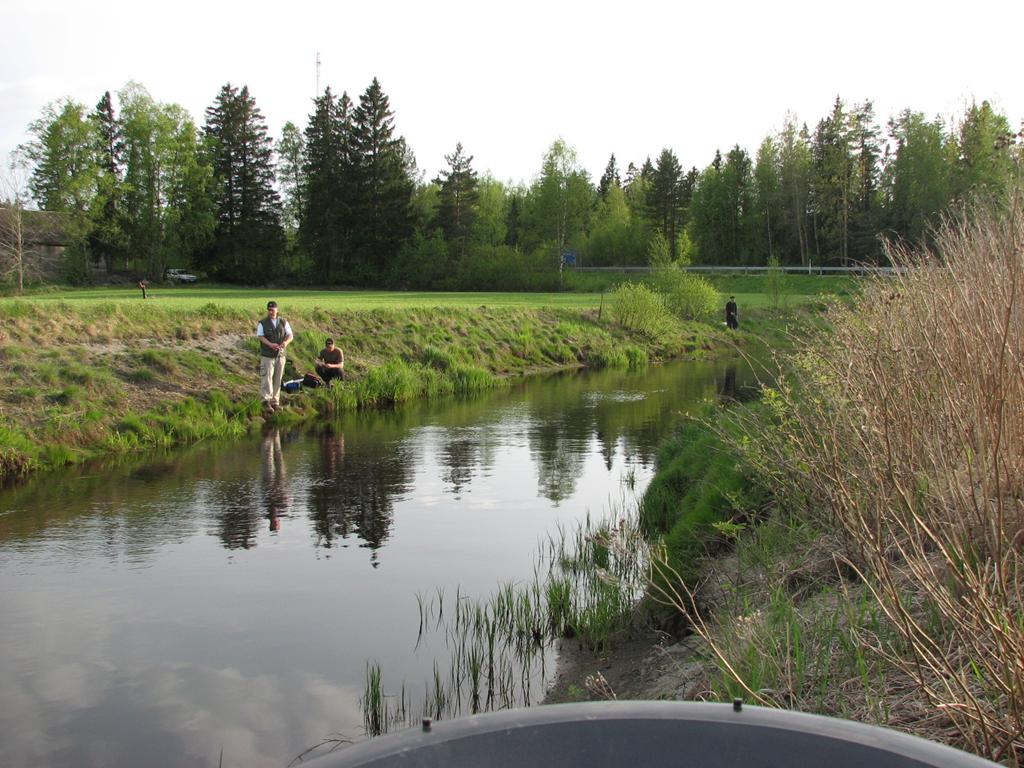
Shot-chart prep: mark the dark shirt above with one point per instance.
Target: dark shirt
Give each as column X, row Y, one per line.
column 331, row 355
column 730, row 308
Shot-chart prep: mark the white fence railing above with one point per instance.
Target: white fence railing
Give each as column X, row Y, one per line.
column 863, row 269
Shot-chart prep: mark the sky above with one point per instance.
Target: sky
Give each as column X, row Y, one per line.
column 508, row 79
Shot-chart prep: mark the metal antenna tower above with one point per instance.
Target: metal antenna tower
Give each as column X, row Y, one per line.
column 317, row 94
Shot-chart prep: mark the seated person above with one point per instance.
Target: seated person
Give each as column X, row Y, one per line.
column 330, row 364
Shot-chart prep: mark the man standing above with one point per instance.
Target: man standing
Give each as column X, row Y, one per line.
column 274, row 335
column 330, row 364
column 731, row 313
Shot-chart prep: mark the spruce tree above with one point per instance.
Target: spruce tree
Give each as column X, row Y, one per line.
column 832, row 183
column 107, row 240
column 609, row 178
column 457, row 200
column 248, row 238
column 512, row 220
column 740, row 235
column 382, row 219
column 865, row 214
column 328, row 197
column 665, row 202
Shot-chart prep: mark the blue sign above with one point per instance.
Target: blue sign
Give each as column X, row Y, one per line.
column 569, row 258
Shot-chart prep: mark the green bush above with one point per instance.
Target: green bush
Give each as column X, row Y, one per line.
column 688, row 296
column 638, row 308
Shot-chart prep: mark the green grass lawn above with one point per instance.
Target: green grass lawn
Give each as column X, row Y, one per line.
column 255, row 299
column 304, row 299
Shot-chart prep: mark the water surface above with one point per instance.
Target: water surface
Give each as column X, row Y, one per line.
column 228, row 598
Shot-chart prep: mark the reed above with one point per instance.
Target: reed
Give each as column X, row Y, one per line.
column 586, row 583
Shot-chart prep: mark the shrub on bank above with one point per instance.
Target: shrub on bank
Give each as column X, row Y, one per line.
column 899, row 436
column 638, row 308
column 690, row 297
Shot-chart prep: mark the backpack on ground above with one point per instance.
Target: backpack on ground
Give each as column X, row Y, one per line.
column 312, row 381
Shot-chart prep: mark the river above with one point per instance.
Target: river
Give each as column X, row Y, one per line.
column 223, row 602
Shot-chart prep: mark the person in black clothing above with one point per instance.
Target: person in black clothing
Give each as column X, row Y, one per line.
column 731, row 313
column 330, row 364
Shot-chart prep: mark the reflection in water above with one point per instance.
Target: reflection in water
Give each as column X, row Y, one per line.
column 352, row 493
column 275, row 486
column 459, row 455
column 115, row 573
column 727, row 388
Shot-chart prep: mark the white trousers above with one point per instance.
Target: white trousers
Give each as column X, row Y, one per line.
column 271, row 373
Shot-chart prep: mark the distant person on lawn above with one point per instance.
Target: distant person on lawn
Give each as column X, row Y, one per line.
column 330, row 363
column 274, row 334
column 732, row 313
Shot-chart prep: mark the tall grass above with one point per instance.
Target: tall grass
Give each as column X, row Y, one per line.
column 586, row 583
column 903, row 432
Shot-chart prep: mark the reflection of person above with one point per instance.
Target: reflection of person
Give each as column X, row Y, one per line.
column 727, row 391
column 330, row 363
column 274, row 489
column 274, row 334
column 732, row 313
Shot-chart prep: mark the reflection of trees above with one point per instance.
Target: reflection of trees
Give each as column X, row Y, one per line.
column 460, row 453
column 353, row 492
column 556, row 443
column 567, row 411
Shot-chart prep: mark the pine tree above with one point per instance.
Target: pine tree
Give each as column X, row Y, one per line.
column 737, row 175
column 107, row 240
column 832, row 188
column 382, row 218
column 457, row 198
column 609, row 178
column 329, row 194
column 865, row 216
column 632, row 172
column 665, row 203
column 248, row 238
column 513, row 220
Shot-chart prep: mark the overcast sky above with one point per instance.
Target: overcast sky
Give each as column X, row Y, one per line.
column 507, row 79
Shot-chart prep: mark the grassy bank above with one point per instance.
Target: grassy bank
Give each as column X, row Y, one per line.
column 880, row 576
column 95, row 372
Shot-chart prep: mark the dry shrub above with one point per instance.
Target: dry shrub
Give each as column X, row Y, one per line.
column 905, row 429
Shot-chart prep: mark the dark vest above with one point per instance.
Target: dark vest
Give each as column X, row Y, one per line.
column 272, row 334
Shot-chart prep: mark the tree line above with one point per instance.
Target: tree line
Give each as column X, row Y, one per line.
column 342, row 201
